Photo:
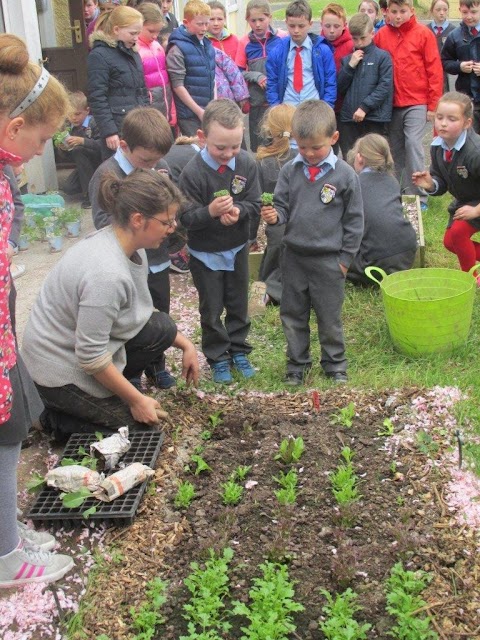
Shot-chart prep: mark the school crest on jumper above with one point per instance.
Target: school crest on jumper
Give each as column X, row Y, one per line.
column 327, row 194
column 238, row 184
column 462, row 172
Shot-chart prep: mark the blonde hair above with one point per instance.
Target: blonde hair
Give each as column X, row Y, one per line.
column 260, row 5
column 276, row 123
column 375, row 151
column 463, row 101
column 78, row 100
column 151, row 13
column 120, row 17
column 336, row 9
column 224, row 111
column 18, row 76
column 195, row 8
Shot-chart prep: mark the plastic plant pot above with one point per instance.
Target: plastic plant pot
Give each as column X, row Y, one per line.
column 73, row 229
column 55, row 243
column 23, row 242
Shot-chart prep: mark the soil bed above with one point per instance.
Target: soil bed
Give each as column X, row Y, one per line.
column 401, row 515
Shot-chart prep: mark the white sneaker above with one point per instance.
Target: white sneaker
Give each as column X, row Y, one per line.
column 40, row 539
column 25, row 565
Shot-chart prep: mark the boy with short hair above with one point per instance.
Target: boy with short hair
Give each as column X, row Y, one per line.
column 221, row 184
column 461, row 55
column 365, row 81
column 319, row 198
column 83, row 146
column 171, row 21
column 191, row 66
column 301, row 67
column 418, row 85
column 146, row 137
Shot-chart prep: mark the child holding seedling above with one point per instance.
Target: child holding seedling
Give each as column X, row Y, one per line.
column 318, row 196
column 277, row 129
column 455, row 167
column 389, row 240
column 221, row 183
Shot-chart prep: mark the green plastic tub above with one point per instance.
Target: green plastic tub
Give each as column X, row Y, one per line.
column 427, row 310
column 42, row 204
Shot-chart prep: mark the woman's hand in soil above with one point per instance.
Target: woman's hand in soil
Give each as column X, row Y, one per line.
column 219, row 206
column 269, row 214
column 423, row 179
column 231, row 217
column 144, row 409
column 112, row 142
column 466, row 212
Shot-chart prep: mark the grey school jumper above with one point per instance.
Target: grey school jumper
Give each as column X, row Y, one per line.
column 324, row 229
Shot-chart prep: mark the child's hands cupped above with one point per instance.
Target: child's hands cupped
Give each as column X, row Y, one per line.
column 231, row 217
column 73, row 141
column 220, row 206
column 423, row 179
column 269, row 214
column 466, row 212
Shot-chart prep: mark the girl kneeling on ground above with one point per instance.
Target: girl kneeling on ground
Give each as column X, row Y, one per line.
column 93, row 326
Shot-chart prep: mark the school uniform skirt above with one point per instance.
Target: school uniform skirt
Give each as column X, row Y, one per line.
column 26, row 408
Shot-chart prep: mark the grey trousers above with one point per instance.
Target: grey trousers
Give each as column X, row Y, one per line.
column 9, row 455
column 406, row 132
column 318, row 282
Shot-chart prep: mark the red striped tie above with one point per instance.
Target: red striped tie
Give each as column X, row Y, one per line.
column 298, row 70
column 222, row 168
column 448, row 155
column 313, row 171
column 474, row 31
column 439, row 30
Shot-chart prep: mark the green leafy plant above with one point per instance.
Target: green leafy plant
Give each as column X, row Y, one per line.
column 221, row 193
column 272, row 605
column 388, row 428
column 67, row 214
column 287, row 494
column 36, row 482
column 75, row 499
column 232, row 492
column 209, row 587
column 344, row 480
column 215, row 418
column 185, row 494
column 266, row 199
column 340, row 623
column 206, row 435
column 242, row 471
column 201, row 465
column 290, row 450
column 405, row 604
column 344, row 417
column 147, row 617
column 426, row 444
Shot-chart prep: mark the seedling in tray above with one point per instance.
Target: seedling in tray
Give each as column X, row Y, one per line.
column 290, row 450
column 267, row 199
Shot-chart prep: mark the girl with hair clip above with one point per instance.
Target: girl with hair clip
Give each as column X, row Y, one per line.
column 33, row 105
column 116, row 84
column 154, row 62
column 93, row 327
column 277, row 130
column 389, row 240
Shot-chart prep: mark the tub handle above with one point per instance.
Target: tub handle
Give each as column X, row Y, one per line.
column 368, row 272
column 476, row 267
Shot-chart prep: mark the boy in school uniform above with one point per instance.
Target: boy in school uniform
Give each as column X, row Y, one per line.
column 82, row 146
column 171, row 22
column 146, row 138
column 318, row 197
column 191, row 66
column 301, row 67
column 365, row 81
column 218, row 227
column 461, row 55
column 418, row 85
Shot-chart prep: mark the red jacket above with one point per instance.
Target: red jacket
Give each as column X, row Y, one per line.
column 342, row 46
column 417, row 68
column 228, row 43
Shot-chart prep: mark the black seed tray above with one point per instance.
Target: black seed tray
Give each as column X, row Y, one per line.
column 48, row 508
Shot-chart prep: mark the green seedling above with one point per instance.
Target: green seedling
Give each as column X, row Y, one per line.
column 426, row 444
column 272, row 605
column 344, row 480
column 75, row 499
column 201, row 465
column 185, row 494
column 232, row 492
column 290, row 450
column 35, row 483
column 388, row 428
column 147, row 617
column 405, row 604
column 266, row 199
column 242, row 471
column 221, row 193
column 215, row 419
column 209, row 587
column 287, row 494
column 344, row 417
column 199, row 449
column 206, row 435
column 340, row 623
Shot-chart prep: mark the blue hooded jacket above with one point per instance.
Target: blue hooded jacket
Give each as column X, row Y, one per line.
column 324, row 72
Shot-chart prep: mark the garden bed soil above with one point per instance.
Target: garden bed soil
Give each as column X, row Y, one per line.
column 402, row 514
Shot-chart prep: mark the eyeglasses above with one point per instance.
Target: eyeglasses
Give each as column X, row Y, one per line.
column 170, row 224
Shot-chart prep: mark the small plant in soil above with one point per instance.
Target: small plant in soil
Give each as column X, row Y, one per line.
column 215, row 419
column 287, row 494
column 221, row 193
column 426, row 444
column 290, row 450
column 340, row 623
column 344, row 480
column 209, row 587
column 206, row 435
column 387, row 429
column 232, row 492
column 185, row 494
column 405, row 604
column 272, row 605
column 242, row 471
column 147, row 617
column 344, row 563
column 266, row 199
column 201, row 465
column 344, row 417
